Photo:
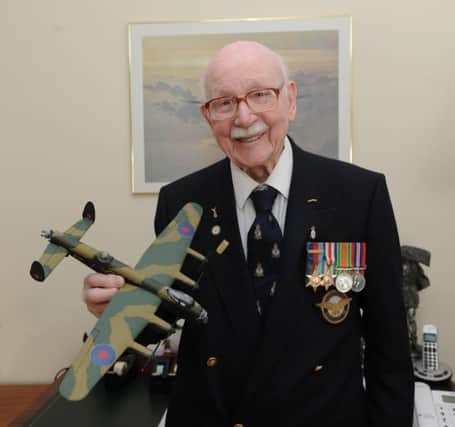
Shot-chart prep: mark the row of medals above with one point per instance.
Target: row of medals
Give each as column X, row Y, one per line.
column 349, row 279
column 335, row 304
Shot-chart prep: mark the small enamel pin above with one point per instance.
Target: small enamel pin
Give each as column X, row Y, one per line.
column 214, row 212
column 313, row 232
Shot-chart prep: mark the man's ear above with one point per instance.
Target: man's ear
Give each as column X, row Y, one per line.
column 205, row 114
column 292, row 98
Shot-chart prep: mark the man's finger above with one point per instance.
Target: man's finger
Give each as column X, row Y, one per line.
column 98, row 295
column 96, row 280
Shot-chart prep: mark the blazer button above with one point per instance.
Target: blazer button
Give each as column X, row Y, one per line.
column 238, row 425
column 318, row 368
column 212, row 362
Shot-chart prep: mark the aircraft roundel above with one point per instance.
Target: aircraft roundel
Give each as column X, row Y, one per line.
column 185, row 229
column 102, row 355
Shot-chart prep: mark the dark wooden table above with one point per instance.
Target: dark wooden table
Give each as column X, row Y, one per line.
column 15, row 399
column 114, row 404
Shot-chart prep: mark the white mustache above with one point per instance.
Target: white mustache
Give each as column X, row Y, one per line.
column 255, row 129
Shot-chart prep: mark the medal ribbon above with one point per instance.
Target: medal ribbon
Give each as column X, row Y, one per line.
column 329, row 253
column 341, row 255
column 315, row 246
column 344, row 255
column 360, row 257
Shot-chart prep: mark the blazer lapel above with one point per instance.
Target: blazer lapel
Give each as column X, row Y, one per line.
column 229, row 270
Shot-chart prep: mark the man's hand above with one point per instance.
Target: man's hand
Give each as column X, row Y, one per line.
column 98, row 291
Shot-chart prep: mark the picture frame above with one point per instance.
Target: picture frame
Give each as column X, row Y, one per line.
column 167, row 60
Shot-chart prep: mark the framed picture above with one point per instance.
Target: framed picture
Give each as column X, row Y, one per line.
column 171, row 139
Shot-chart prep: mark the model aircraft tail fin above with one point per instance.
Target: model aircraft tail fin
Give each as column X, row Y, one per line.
column 81, row 227
column 54, row 253
column 51, row 257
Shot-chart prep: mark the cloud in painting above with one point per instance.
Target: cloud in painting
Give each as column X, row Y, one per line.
column 172, row 99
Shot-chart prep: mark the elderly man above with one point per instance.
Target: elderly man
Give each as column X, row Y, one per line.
column 282, row 345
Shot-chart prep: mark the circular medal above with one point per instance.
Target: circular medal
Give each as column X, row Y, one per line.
column 334, row 307
column 343, row 282
column 358, row 282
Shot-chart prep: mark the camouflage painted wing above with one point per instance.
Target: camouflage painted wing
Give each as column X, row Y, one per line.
column 128, row 313
column 164, row 257
column 54, row 254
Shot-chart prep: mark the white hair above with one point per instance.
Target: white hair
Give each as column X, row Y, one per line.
column 280, row 60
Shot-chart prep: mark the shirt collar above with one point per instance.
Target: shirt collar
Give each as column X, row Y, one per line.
column 280, row 178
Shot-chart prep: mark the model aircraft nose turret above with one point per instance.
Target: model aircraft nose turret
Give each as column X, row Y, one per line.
column 188, row 304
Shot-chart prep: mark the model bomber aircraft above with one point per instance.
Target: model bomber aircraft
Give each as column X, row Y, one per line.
column 135, row 304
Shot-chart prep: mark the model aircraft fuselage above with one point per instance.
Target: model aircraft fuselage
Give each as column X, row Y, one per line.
column 102, row 262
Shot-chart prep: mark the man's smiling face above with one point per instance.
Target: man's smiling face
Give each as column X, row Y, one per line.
column 253, row 141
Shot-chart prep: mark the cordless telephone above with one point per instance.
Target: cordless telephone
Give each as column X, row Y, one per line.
column 430, row 347
column 429, row 368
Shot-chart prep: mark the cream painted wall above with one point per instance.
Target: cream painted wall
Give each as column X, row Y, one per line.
column 64, row 138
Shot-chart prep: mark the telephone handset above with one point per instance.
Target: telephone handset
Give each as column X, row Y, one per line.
column 433, row 408
column 430, row 347
column 429, row 367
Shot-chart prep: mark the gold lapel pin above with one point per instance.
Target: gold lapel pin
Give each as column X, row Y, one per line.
column 222, row 247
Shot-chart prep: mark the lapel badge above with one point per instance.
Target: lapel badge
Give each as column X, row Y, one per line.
column 214, row 212
column 275, row 251
column 222, row 247
column 335, row 307
column 313, row 232
column 259, row 271
column 216, row 229
column 257, row 232
column 343, row 282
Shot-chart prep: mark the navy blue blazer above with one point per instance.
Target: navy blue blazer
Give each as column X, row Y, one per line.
column 297, row 369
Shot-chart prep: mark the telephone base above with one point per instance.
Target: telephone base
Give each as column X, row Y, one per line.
column 443, row 373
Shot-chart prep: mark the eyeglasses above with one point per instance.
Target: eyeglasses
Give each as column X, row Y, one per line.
column 258, row 101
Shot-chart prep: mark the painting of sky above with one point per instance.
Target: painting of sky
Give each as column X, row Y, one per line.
column 178, row 141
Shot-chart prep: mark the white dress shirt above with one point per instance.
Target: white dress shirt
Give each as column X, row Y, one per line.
column 280, row 179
